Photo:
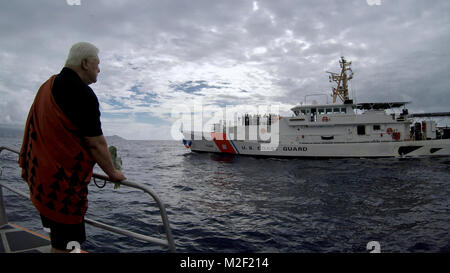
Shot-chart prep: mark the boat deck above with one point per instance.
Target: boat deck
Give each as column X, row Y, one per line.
column 16, row 239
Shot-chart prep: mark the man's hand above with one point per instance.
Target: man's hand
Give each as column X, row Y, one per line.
column 117, row 176
column 99, row 150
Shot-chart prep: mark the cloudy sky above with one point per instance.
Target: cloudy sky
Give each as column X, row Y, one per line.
column 162, row 57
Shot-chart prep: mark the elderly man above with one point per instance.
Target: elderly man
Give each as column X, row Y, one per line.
column 62, row 142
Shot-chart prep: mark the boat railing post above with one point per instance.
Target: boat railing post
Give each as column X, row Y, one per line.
column 3, row 216
column 162, row 210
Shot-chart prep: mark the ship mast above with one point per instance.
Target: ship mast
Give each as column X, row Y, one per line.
column 341, row 79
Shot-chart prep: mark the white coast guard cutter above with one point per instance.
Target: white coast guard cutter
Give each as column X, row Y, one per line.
column 344, row 129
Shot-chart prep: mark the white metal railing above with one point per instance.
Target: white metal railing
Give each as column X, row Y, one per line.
column 169, row 242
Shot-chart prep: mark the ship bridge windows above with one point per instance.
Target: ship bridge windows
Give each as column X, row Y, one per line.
column 321, row 111
column 334, row 110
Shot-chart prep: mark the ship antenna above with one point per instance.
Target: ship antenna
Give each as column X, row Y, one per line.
column 341, row 79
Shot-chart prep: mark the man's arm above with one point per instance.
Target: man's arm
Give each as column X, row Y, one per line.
column 99, row 150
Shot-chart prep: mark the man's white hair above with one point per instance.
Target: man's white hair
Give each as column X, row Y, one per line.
column 81, row 51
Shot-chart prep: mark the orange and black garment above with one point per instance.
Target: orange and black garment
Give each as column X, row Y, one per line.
column 54, row 160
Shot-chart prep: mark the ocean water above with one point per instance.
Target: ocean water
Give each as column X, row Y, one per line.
column 226, row 204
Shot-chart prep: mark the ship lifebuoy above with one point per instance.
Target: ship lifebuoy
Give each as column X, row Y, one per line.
column 325, row 119
column 389, row 131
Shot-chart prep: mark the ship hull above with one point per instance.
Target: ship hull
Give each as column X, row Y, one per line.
column 439, row 147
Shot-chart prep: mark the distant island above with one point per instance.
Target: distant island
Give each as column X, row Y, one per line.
column 14, row 131
column 10, row 131
column 115, row 138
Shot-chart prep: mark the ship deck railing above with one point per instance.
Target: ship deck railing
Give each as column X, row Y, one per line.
column 168, row 242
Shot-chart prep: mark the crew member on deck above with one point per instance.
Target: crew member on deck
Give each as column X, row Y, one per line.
column 63, row 140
